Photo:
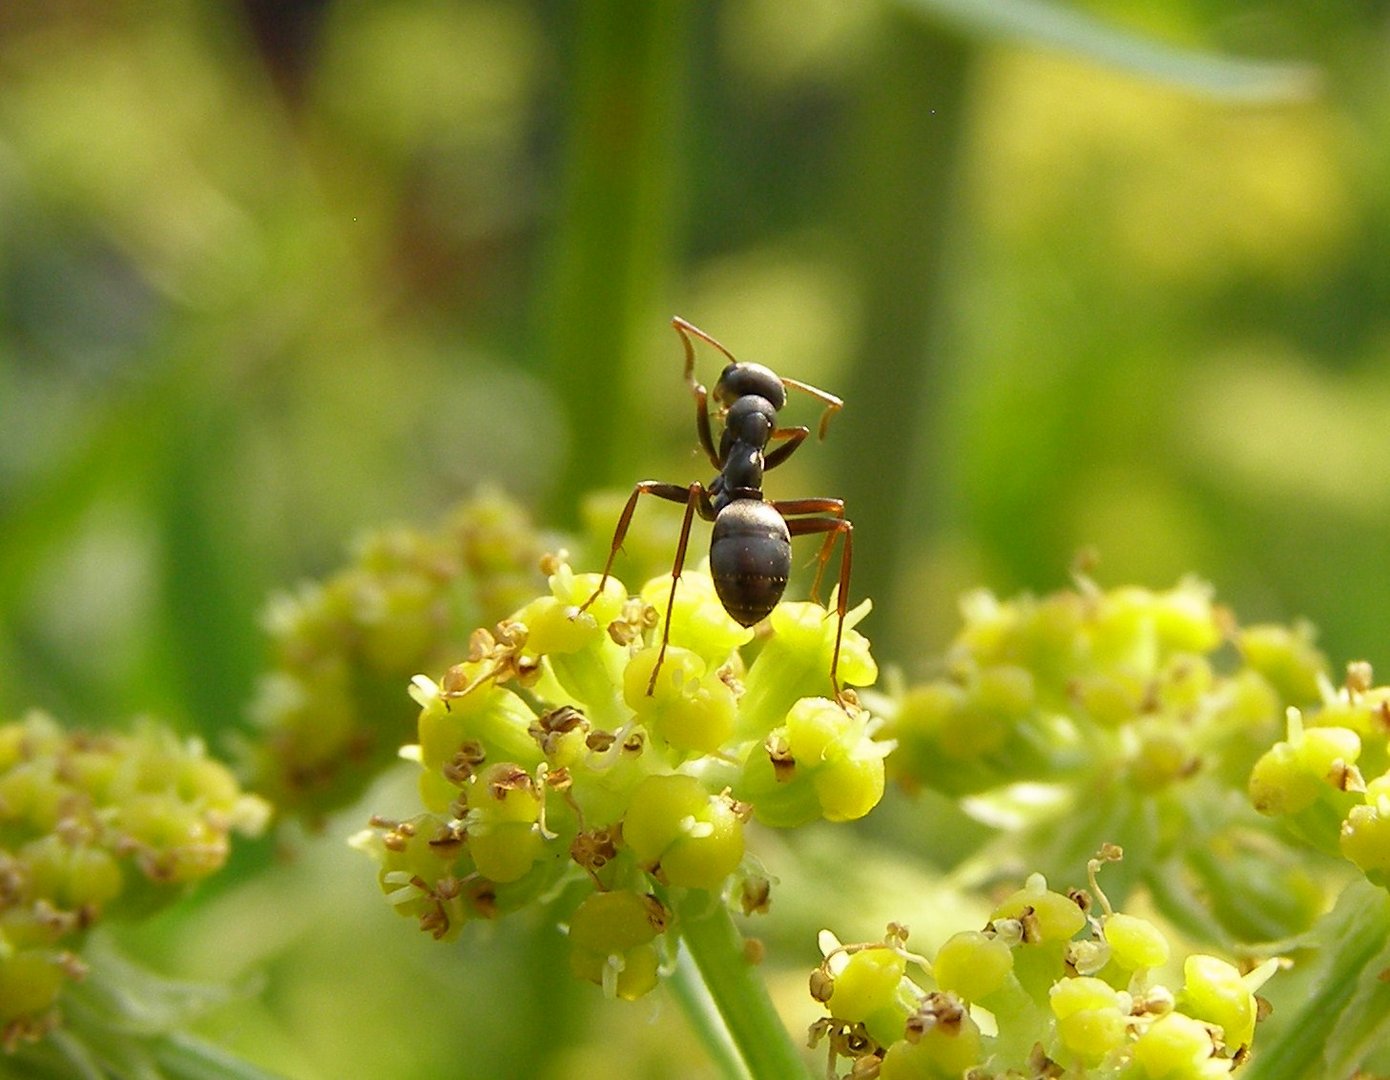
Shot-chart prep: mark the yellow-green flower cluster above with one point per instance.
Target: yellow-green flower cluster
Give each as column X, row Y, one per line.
column 91, row 826
column 551, row 756
column 1047, row 988
column 330, row 711
column 1042, row 689
column 1328, row 780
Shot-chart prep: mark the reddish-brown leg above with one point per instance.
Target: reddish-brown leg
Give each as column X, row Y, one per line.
column 834, row 507
column 696, row 499
column 670, row 492
column 833, row 526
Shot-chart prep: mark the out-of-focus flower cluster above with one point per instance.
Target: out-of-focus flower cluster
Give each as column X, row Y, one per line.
column 1050, row 987
column 1145, row 711
column 550, row 757
column 97, row 825
column 331, row 713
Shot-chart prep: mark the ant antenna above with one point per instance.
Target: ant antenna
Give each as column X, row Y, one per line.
column 832, row 403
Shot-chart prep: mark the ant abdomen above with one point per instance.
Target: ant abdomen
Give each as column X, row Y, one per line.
column 750, row 559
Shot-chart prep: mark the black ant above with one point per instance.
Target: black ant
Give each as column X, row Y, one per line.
column 750, row 551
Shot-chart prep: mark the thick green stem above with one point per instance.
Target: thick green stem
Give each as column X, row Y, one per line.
column 739, row 995
column 611, row 241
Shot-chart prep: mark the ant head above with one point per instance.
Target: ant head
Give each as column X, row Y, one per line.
column 740, row 380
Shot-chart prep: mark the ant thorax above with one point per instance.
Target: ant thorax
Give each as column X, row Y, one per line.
column 742, row 477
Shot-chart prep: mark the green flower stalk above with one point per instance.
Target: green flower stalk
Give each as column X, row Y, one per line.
column 330, row 711
column 549, row 773
column 97, row 826
column 1050, row 987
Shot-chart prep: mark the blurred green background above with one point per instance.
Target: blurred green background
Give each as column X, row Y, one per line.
column 275, row 273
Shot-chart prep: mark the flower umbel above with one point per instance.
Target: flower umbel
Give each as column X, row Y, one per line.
column 91, row 826
column 546, row 761
column 1032, row 995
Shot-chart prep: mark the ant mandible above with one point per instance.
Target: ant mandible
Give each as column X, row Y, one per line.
column 750, row 551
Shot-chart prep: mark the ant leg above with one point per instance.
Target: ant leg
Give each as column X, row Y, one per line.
column 834, row 507
column 833, row 526
column 696, row 499
column 832, row 403
column 702, row 427
column 794, row 436
column 670, row 492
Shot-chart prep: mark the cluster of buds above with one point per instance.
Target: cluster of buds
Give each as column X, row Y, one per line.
column 1328, row 781
column 1041, row 689
column 96, row 826
column 1050, row 987
column 330, row 711
column 1145, row 711
column 550, row 757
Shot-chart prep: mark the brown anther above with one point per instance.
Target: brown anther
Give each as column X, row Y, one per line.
column 72, row 966
column 780, row 754
column 485, row 902
column 551, row 561
column 455, row 679
column 822, row 985
column 560, row 779
column 528, row 670
column 447, row 839
column 508, row 779
column 460, row 768
column 512, row 634
column 550, row 727
column 598, row 741
column 622, row 633
column 393, row 841
column 434, row 921
column 896, row 935
column 593, row 850
column 635, row 743
column 1360, row 677
column 1032, row 929
column 1042, row 1067
column 657, row 915
column 1345, row 776
column 948, row 1009
column 730, row 678
column 857, row 1041
column 482, row 645
column 755, row 895
column 1081, row 898
column 818, row 1031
